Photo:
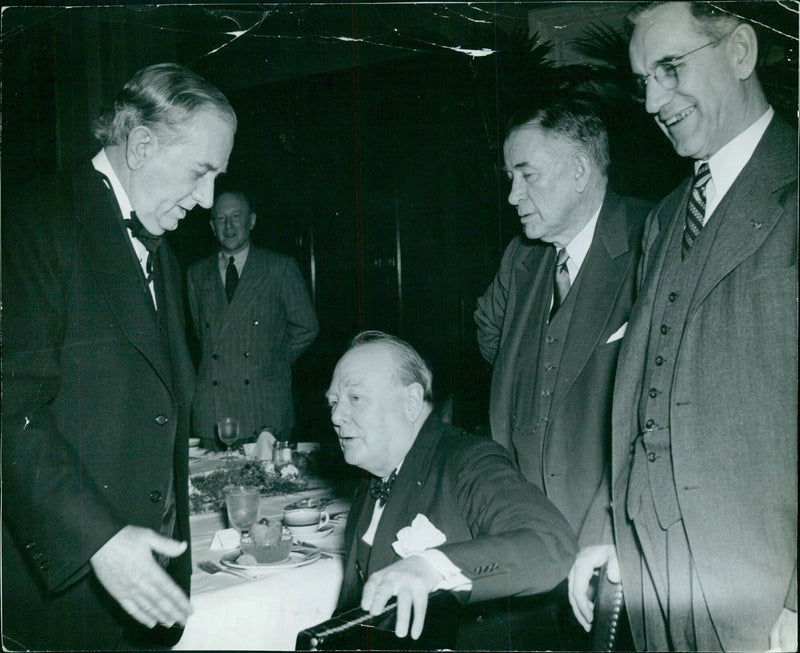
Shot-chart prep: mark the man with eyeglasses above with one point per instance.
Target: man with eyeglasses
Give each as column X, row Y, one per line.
column 704, row 453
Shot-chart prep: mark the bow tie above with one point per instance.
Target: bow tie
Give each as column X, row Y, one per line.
column 379, row 490
column 151, row 242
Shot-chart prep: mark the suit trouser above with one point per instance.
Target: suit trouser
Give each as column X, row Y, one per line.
column 673, row 609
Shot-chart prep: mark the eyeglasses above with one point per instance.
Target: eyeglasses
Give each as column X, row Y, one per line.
column 665, row 73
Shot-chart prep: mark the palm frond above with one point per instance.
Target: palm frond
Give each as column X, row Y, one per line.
column 603, row 43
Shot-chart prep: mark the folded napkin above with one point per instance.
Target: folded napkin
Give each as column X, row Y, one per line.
column 263, row 448
column 227, row 538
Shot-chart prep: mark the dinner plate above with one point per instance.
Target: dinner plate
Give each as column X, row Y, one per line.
column 298, row 557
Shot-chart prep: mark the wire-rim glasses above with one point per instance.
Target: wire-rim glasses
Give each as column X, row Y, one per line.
column 666, row 72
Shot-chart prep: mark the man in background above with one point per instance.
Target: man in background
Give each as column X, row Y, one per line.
column 97, row 377
column 704, row 463
column 469, row 520
column 552, row 321
column 254, row 317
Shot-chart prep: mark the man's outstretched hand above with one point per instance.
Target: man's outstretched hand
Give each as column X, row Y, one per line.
column 127, row 569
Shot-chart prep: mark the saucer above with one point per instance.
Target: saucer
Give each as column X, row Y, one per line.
column 309, row 530
column 315, row 536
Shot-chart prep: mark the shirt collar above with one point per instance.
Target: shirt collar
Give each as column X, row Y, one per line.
column 238, row 259
column 396, row 470
column 103, row 165
column 729, row 160
column 578, row 247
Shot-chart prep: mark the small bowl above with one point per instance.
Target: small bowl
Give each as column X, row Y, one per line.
column 273, row 552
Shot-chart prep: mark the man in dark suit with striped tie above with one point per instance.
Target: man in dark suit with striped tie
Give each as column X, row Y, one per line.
column 704, row 448
column 254, row 317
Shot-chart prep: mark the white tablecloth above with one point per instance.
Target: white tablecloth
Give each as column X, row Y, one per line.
column 264, row 614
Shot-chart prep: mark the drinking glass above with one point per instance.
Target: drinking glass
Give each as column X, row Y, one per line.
column 228, row 429
column 242, row 504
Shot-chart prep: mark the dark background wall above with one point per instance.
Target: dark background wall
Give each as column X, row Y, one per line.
column 369, row 145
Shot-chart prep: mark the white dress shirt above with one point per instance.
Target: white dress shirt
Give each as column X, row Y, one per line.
column 577, row 249
column 103, row 165
column 579, row 246
column 729, row 160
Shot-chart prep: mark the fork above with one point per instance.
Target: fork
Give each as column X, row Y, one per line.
column 213, row 568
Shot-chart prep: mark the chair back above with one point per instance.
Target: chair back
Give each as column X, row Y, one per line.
column 608, row 603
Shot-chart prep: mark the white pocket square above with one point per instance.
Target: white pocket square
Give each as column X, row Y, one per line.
column 618, row 333
column 421, row 535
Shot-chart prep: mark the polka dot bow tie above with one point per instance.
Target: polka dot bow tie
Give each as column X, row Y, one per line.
column 379, row 490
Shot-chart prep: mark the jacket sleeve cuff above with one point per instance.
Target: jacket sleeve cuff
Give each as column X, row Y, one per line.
column 452, row 578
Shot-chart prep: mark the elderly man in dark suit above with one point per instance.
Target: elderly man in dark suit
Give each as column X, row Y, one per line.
column 459, row 515
column 704, row 463
column 552, row 321
column 253, row 315
column 97, row 378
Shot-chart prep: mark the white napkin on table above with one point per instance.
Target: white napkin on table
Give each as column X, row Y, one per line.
column 263, row 448
column 227, row 538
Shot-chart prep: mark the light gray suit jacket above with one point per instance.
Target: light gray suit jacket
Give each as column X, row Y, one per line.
column 248, row 347
column 733, row 412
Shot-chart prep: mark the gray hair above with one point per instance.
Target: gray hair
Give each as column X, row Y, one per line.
column 573, row 119
column 410, row 367
column 162, row 97
column 711, row 17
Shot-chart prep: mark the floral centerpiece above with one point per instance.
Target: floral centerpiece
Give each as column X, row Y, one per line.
column 206, row 488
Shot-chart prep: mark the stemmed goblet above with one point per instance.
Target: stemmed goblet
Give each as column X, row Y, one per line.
column 242, row 504
column 228, row 430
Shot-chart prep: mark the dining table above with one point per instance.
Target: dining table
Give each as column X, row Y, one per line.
column 267, row 610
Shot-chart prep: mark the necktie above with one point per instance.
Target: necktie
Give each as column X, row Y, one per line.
column 379, row 490
column 231, row 279
column 151, row 242
column 696, row 209
column 561, row 282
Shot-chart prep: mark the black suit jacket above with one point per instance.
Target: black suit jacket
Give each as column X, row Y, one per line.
column 95, row 409
column 501, row 531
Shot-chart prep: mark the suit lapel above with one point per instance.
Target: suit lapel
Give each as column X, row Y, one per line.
column 212, row 294
column 404, row 504
column 253, row 275
column 533, row 274
column 110, row 255
column 601, row 275
column 357, row 523
column 748, row 212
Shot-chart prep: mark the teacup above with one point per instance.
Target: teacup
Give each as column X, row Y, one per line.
column 305, row 520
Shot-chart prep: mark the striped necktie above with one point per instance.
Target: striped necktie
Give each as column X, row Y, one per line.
column 561, row 283
column 696, row 210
